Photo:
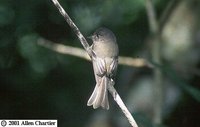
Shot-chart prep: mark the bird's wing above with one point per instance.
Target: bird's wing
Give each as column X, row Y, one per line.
column 111, row 66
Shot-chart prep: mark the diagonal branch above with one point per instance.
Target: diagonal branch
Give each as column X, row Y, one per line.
column 89, row 51
column 74, row 28
column 121, row 104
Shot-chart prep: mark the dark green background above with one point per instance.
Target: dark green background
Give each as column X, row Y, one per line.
column 37, row 83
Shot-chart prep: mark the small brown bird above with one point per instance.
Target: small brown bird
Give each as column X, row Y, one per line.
column 105, row 64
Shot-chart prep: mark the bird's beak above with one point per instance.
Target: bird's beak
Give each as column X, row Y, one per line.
column 91, row 37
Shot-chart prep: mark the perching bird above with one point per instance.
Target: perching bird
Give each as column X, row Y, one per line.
column 105, row 63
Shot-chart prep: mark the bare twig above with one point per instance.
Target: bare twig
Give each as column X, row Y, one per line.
column 63, row 49
column 74, row 27
column 134, row 62
column 89, row 51
column 158, row 80
column 78, row 52
column 156, row 29
column 153, row 24
column 121, row 104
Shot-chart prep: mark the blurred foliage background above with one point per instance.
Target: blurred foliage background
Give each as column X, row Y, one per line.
column 37, row 83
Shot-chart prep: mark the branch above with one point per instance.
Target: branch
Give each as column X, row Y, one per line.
column 156, row 51
column 78, row 52
column 156, row 29
column 121, row 104
column 74, row 28
column 63, row 49
column 89, row 51
column 153, row 24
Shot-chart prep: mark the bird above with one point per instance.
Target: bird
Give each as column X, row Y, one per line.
column 105, row 62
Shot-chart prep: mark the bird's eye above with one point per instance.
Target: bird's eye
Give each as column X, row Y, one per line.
column 98, row 35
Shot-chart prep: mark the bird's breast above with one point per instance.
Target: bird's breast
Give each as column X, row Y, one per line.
column 104, row 50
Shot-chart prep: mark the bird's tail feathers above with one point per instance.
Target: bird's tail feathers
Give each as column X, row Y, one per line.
column 99, row 96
